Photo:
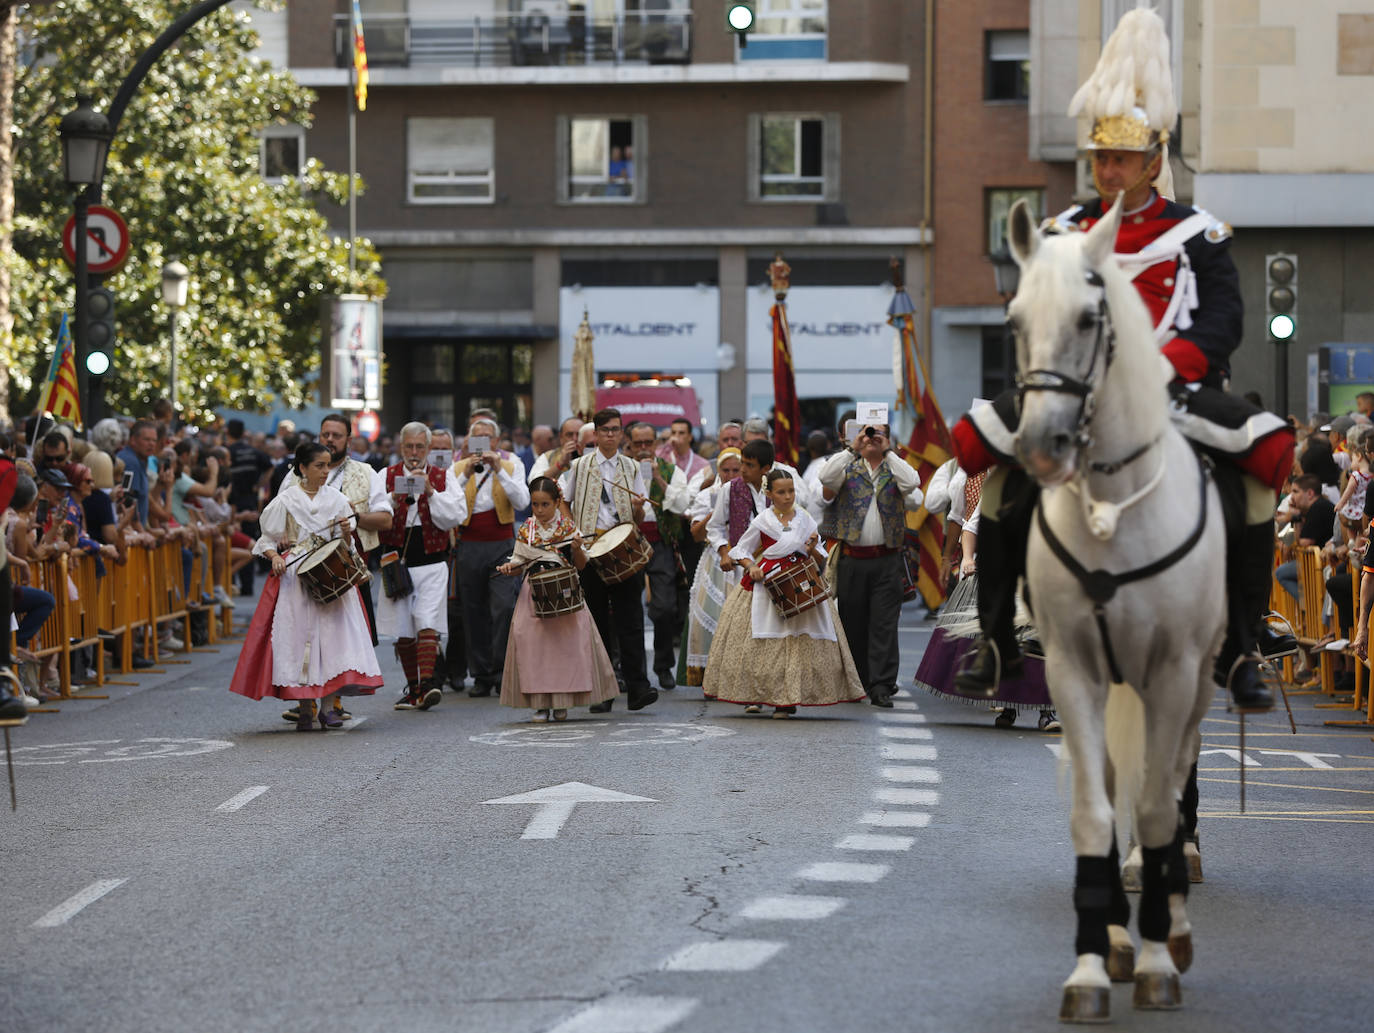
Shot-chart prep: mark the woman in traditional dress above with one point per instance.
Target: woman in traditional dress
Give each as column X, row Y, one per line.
column 758, row 658
column 955, row 634
column 296, row 648
column 552, row 663
column 710, row 585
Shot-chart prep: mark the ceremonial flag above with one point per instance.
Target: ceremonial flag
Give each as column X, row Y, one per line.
column 359, row 58
column 60, row 396
column 927, row 450
column 786, row 405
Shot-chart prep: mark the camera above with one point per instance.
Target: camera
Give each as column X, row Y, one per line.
column 870, row 432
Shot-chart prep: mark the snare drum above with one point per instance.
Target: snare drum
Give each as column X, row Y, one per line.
column 796, row 586
column 555, row 592
column 620, row 553
column 329, row 571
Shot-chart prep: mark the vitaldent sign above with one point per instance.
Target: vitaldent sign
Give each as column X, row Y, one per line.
column 833, row 328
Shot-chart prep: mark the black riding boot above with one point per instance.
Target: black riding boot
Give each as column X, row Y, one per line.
column 1002, row 541
column 1249, row 573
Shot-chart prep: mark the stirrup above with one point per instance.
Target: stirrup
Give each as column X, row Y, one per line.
column 1280, row 625
column 1268, row 678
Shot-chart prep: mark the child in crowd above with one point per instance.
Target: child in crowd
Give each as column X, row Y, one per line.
column 758, row 657
column 552, row 663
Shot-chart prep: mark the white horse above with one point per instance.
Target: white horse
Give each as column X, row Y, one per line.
column 1126, row 575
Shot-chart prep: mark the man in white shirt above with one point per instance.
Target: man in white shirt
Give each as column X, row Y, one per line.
column 597, row 492
column 555, row 461
column 662, row 483
column 757, row 430
column 869, row 488
column 494, row 489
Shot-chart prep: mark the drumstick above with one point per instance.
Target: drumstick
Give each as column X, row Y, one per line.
column 634, row 494
column 545, row 545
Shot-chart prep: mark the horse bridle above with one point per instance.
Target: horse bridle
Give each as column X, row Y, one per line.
column 1084, row 388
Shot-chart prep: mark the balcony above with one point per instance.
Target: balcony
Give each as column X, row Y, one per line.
column 521, row 40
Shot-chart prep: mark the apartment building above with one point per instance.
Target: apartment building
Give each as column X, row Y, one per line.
column 531, row 161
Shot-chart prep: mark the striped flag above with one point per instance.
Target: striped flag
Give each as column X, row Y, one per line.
column 786, row 405
column 359, row 58
column 928, row 450
column 60, row 398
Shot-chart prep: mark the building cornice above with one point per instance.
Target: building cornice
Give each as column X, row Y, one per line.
column 621, row 75
column 753, row 236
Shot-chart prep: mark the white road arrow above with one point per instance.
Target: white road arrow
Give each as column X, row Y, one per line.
column 555, row 805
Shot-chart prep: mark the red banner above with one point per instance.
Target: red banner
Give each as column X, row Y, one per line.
column 786, row 405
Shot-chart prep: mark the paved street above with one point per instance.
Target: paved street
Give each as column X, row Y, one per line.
column 183, row 860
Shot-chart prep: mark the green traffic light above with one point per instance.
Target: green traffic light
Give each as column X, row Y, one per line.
column 740, row 17
column 1281, row 327
column 97, row 363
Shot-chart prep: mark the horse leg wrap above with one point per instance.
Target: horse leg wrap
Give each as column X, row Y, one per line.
column 1176, row 870
column 1092, row 901
column 405, row 649
column 1187, row 808
column 1119, row 909
column 1154, row 892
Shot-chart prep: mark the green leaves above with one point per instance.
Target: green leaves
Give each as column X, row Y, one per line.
column 183, row 172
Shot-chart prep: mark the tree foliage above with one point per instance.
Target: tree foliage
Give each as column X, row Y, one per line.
column 183, row 172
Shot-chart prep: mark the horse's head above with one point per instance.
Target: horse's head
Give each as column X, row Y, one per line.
column 1062, row 339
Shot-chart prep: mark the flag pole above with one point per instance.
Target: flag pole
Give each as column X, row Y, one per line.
column 352, row 101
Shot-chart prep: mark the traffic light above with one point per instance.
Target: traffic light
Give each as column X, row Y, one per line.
column 100, row 329
column 739, row 19
column 1281, row 296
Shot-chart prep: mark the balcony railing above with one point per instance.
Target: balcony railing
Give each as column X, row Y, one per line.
column 504, row 40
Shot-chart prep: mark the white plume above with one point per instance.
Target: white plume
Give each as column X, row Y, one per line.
column 1133, row 71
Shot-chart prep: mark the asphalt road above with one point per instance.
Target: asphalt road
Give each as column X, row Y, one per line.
column 182, row 859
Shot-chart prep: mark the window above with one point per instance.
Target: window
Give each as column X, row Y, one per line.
column 603, row 159
column 1007, row 74
column 999, row 360
column 450, row 160
column 448, row 380
column 281, row 152
column 787, row 30
column 795, row 157
column 999, row 202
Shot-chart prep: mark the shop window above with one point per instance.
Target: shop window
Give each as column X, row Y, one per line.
column 1007, row 65
column 450, row 160
column 448, row 380
column 999, row 201
column 796, row 157
column 281, row 152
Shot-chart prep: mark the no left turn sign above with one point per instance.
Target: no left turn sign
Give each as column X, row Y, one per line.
column 107, row 240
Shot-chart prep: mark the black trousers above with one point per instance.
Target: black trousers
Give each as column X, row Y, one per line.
column 488, row 605
column 664, row 613
column 870, row 603
column 624, row 627
column 455, row 649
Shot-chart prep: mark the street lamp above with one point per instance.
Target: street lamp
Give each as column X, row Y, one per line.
column 1006, row 274
column 85, row 135
column 176, row 281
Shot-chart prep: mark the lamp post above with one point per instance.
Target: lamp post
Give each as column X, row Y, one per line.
column 176, row 280
column 85, row 136
column 1006, row 274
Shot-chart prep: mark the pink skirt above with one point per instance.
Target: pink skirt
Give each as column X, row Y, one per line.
column 553, row 663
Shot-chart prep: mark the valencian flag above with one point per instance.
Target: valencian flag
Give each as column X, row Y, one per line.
column 60, row 396
column 359, row 58
column 786, row 406
column 929, row 447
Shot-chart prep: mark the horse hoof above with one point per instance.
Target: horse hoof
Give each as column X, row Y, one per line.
column 1157, row 991
column 1086, row 1004
column 1181, row 950
column 1121, row 963
column 1194, row 859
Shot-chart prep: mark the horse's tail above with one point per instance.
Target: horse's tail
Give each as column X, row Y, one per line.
column 1125, row 729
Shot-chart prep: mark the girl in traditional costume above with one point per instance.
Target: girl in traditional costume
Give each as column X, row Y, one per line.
column 552, row 663
column 710, row 585
column 759, row 658
column 296, row 648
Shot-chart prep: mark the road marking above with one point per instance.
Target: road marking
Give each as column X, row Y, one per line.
column 896, row 819
column 577, row 732
column 554, row 805
column 901, row 717
column 908, row 797
column 348, row 726
column 629, row 1014
column 1312, row 760
column 843, row 871
column 141, row 749
column 792, row 908
column 723, row 956
column 910, row 774
column 903, row 751
column 905, row 733
column 902, row 694
column 235, row 803
column 904, row 704
column 1286, row 785
column 868, row 841
column 69, row 908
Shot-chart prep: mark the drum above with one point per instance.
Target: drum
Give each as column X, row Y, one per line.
column 796, row 586
column 555, row 591
column 620, row 553
column 330, row 570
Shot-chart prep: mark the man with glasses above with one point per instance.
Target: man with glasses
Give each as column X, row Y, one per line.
column 598, row 493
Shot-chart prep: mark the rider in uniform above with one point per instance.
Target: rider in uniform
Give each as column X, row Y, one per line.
column 1179, row 258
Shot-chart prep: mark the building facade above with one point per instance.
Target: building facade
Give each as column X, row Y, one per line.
column 529, row 162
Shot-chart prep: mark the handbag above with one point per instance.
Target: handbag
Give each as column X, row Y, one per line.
column 396, row 580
